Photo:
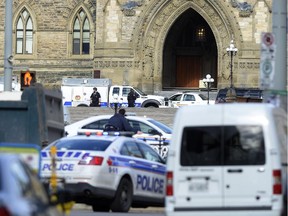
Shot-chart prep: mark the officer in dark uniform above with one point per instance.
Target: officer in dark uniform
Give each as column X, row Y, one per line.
column 131, row 98
column 95, row 98
column 118, row 122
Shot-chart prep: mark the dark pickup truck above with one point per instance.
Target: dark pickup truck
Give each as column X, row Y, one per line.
column 242, row 95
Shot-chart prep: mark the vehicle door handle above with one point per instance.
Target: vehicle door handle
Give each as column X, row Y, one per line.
column 235, row 170
column 154, row 166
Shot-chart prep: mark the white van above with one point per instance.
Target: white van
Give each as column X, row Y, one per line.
column 225, row 160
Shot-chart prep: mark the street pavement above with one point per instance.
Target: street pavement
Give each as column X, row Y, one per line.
column 78, row 206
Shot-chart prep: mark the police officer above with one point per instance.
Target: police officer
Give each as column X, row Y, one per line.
column 118, row 122
column 131, row 98
column 95, row 98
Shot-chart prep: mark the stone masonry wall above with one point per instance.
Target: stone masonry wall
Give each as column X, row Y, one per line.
column 115, row 50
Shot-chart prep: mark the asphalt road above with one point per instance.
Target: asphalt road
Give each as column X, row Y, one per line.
column 85, row 210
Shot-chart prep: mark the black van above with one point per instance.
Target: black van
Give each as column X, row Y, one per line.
column 253, row 93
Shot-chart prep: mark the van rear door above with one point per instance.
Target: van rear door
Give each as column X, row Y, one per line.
column 199, row 179
column 247, row 170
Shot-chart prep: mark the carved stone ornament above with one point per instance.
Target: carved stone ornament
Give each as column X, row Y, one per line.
column 128, row 7
column 245, row 9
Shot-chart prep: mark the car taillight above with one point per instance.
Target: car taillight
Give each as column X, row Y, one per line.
column 110, row 162
column 169, row 184
column 277, row 184
column 91, row 160
column 4, row 211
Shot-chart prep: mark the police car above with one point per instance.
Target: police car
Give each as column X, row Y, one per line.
column 188, row 98
column 155, row 133
column 108, row 172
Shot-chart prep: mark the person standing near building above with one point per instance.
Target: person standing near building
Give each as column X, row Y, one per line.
column 131, row 98
column 95, row 98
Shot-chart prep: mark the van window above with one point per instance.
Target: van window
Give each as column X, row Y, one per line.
column 201, row 146
column 243, row 145
column 222, row 145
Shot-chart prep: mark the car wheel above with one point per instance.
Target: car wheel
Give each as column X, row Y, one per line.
column 123, row 198
column 100, row 207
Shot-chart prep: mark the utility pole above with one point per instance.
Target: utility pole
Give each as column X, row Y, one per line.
column 279, row 28
column 8, row 58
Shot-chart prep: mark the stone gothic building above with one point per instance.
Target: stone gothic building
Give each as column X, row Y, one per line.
column 151, row 44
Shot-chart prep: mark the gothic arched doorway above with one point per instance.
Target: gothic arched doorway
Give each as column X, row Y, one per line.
column 190, row 52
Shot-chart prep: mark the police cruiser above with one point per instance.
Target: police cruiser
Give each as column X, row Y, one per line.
column 155, row 133
column 108, row 172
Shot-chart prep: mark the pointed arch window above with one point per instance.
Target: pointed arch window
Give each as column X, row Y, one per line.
column 81, row 34
column 24, row 33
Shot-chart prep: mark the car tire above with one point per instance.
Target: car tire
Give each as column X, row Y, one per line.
column 123, row 198
column 101, row 207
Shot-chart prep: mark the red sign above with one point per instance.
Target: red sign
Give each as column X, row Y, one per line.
column 268, row 39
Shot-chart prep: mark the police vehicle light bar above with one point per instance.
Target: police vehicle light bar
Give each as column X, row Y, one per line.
column 108, row 133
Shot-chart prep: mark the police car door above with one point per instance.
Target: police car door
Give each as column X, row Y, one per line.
column 156, row 170
column 175, row 100
column 125, row 92
column 140, row 170
column 187, row 99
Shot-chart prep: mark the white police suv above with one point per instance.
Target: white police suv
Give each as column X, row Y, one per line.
column 108, row 172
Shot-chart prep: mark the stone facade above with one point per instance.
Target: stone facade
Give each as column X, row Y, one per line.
column 127, row 38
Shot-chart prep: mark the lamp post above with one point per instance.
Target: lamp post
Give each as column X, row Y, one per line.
column 208, row 80
column 231, row 51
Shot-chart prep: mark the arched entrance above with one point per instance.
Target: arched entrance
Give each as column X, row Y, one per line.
column 166, row 35
column 190, row 52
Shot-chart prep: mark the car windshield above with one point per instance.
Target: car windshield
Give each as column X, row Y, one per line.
column 140, row 92
column 162, row 126
column 79, row 144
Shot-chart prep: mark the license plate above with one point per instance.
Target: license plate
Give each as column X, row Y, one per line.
column 198, row 186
